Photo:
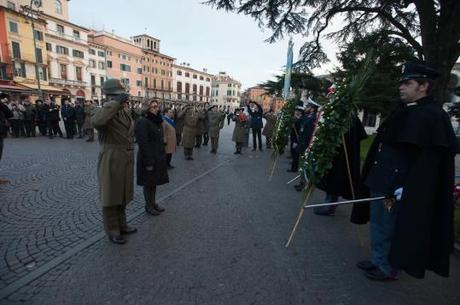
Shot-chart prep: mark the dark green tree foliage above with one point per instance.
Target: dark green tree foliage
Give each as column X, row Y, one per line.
column 380, row 93
column 299, row 81
column 436, row 23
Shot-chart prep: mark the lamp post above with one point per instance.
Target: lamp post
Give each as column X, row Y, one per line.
column 38, row 4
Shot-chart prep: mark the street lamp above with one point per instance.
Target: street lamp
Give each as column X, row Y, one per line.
column 37, row 4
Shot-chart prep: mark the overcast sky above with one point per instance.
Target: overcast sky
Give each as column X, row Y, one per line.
column 193, row 33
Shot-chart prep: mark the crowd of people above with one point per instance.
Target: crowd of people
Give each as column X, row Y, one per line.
column 411, row 162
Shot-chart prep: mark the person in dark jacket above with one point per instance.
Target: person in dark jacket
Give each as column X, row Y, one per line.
column 412, row 158
column 299, row 118
column 52, row 119
column 40, row 117
column 80, row 118
column 5, row 114
column 30, row 116
column 151, row 158
column 69, row 117
column 256, row 113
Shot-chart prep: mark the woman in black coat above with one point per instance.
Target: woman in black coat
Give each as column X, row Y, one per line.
column 151, row 163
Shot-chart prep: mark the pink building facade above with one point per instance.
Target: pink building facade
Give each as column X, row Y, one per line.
column 123, row 61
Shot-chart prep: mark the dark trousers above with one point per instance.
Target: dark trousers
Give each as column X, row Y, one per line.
column 214, row 143
column 30, row 128
column 69, row 126
column 188, row 152
column 198, row 141
column 1, row 147
column 80, row 129
column 149, row 196
column 205, row 139
column 42, row 127
column 295, row 160
column 90, row 133
column 18, row 128
column 256, row 132
column 239, row 146
column 168, row 159
column 178, row 138
column 54, row 129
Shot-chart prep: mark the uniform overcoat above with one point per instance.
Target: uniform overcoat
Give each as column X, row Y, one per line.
column 190, row 117
column 169, row 133
column 216, row 123
column 270, row 117
column 115, row 167
column 241, row 124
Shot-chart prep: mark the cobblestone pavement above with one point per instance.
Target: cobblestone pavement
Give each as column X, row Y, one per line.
column 221, row 240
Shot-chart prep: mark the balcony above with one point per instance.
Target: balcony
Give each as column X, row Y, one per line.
column 66, row 36
column 67, row 82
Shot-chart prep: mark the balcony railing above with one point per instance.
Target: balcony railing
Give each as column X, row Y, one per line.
column 67, row 82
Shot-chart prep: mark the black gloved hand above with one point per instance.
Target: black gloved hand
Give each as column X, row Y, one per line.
column 121, row 98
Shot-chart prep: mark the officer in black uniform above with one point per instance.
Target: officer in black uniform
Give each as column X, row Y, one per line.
column 412, row 158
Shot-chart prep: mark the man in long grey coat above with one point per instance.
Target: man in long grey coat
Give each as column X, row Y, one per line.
column 190, row 116
column 115, row 168
column 216, row 120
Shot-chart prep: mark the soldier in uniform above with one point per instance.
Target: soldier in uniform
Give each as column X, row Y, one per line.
column 269, row 128
column 191, row 116
column 413, row 158
column 87, row 126
column 216, row 121
column 202, row 126
column 115, row 166
column 239, row 132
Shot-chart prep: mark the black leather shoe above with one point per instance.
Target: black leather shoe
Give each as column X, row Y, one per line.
column 158, row 208
column 378, row 275
column 151, row 211
column 366, row 265
column 117, row 240
column 129, row 230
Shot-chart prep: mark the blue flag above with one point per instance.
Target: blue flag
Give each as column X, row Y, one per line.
column 287, row 76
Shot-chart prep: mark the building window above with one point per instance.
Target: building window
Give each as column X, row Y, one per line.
column 63, row 70
column 101, row 53
column 38, row 55
column 125, row 81
column 19, row 69
column 187, row 88
column 58, row 7
column 109, row 64
column 13, row 27
column 154, row 83
column 124, row 67
column 78, row 73
column 163, row 72
column 76, row 34
column 16, row 50
column 11, row 5
column 207, row 91
column 3, row 74
column 42, row 73
column 139, row 70
column 187, row 74
column 179, row 72
column 93, row 80
column 194, row 88
column 62, row 50
column 201, row 90
column 208, row 79
column 194, row 76
column 49, row 47
column 60, row 29
column 201, row 77
column 77, row 53
column 92, row 51
column 101, row 65
column 92, row 63
column 169, row 85
column 139, row 83
column 229, row 92
column 162, row 84
column 38, row 35
column 179, row 87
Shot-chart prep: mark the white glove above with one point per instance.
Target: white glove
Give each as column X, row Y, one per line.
column 398, row 193
column 149, row 168
column 294, row 145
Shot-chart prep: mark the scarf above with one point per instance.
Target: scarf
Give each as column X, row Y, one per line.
column 169, row 121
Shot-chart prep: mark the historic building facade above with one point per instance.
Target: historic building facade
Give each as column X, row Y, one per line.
column 191, row 85
column 225, row 91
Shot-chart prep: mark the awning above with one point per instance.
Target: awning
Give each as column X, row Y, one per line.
column 45, row 88
column 10, row 86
